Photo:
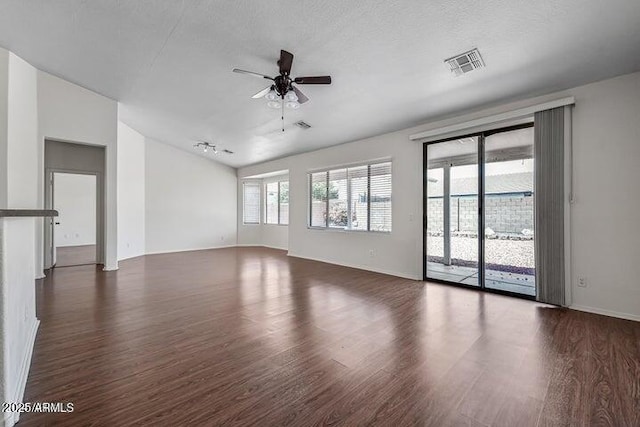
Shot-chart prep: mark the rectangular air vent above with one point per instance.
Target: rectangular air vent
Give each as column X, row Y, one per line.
column 303, row 125
column 464, row 63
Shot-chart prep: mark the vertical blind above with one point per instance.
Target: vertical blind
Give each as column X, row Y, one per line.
column 251, row 203
column 549, row 207
column 356, row 198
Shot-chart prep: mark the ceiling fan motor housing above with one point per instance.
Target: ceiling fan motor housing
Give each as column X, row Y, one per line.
column 282, row 85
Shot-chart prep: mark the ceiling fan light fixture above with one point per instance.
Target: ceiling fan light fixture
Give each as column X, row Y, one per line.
column 291, row 96
column 272, row 95
column 274, row 104
column 208, row 146
column 294, row 105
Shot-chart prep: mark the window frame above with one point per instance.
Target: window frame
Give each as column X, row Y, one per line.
column 244, row 187
column 327, row 171
column 279, row 203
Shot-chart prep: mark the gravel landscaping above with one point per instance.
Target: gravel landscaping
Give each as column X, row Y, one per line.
column 515, row 256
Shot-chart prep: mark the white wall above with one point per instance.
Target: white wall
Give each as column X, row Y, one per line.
column 131, row 192
column 68, row 112
column 190, row 201
column 270, row 235
column 75, row 200
column 605, row 215
column 606, row 135
column 18, row 143
column 22, row 132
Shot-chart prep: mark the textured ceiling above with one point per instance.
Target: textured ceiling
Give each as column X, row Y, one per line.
column 169, row 62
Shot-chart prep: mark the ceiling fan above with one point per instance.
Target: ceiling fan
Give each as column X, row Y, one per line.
column 282, row 91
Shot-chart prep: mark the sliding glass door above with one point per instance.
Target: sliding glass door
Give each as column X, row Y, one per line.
column 452, row 211
column 479, row 207
column 508, row 211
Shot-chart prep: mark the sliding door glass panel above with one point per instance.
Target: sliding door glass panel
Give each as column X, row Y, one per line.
column 452, row 212
column 509, row 212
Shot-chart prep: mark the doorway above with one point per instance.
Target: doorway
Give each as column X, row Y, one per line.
column 67, row 161
column 75, row 229
column 479, row 204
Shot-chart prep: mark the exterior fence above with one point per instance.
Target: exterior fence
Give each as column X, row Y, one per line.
column 504, row 213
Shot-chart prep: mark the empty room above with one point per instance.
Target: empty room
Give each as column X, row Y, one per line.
column 313, row 213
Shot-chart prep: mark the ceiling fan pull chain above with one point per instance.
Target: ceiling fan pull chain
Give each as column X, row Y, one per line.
column 282, row 116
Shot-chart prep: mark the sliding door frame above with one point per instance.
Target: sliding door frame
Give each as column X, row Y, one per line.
column 481, row 136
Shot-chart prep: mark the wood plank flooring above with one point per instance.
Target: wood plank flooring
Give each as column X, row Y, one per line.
column 249, row 336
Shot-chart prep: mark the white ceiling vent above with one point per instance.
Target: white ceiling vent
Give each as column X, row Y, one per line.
column 303, row 125
column 466, row 62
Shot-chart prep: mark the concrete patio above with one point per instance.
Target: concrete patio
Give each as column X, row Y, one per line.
column 511, row 282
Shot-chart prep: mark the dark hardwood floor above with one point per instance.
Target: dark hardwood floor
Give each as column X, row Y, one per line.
column 249, row 336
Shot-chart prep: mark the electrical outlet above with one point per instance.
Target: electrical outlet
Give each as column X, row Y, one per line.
column 372, row 253
column 582, row 282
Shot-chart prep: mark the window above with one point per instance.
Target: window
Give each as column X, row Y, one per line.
column 251, row 203
column 355, row 198
column 271, row 203
column 318, row 200
column 277, row 203
column 284, row 202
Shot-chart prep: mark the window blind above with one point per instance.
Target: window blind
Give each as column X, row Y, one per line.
column 284, row 202
column 356, row 198
column 271, row 203
column 251, row 203
column 358, row 190
column 337, row 191
column 380, row 197
column 318, row 199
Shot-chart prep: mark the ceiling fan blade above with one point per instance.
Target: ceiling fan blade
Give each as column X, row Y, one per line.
column 302, row 98
column 317, row 80
column 285, row 62
column 262, row 93
column 251, row 73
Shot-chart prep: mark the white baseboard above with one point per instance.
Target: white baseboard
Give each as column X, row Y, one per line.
column 626, row 316
column 174, row 251
column 250, row 245
column 11, row 418
column 40, row 276
column 131, row 257
column 360, row 267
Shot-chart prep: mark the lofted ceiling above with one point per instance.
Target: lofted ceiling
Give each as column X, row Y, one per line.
column 169, row 62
